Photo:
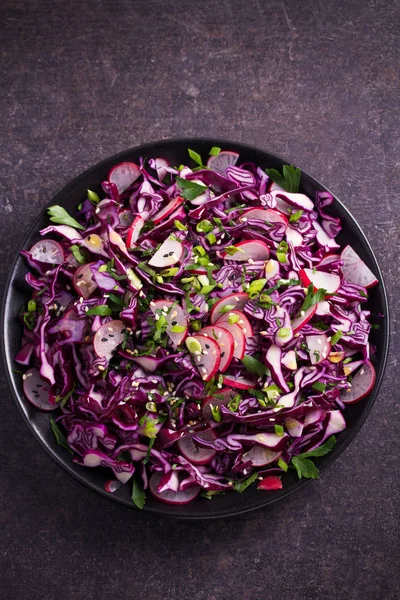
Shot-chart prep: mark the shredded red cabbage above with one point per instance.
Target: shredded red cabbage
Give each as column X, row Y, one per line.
column 197, row 328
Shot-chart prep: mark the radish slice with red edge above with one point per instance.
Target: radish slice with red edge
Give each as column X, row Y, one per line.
column 237, row 316
column 206, row 355
column 222, row 161
column 320, row 280
column 170, row 497
column 268, row 215
column 323, row 308
column 234, row 301
column 195, row 454
column 176, row 319
column 222, row 398
column 318, row 347
column 241, row 383
column 134, row 231
column 169, row 253
column 355, row 270
column 302, row 319
column 112, row 486
column 123, row 175
column 239, row 339
column 37, row 391
column 299, row 201
column 260, row 456
column 294, row 237
column 83, row 281
column 169, row 482
column 328, row 259
column 47, row 251
column 361, row 384
column 168, row 209
column 271, row 482
column 225, row 341
column 108, row 337
column 248, row 250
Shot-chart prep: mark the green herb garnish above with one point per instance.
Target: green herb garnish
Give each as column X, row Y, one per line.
column 138, row 494
column 289, row 180
column 190, row 189
column 59, row 215
column 59, row 436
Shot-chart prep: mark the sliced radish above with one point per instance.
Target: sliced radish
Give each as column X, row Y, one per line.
column 260, row 456
column 268, row 215
column 355, row 270
column 125, row 218
column 168, row 209
column 169, row 253
column 239, row 338
column 323, row 238
column 294, row 427
column 336, row 423
column 289, row 360
column 272, row 269
column 112, row 485
column 271, row 482
column 37, row 391
column 225, row 340
column 237, row 316
column 249, row 250
column 319, row 347
column 302, row 319
column 320, row 280
column 361, row 384
column 108, row 337
column 206, row 354
column 134, row 231
column 123, row 175
column 195, row 454
column 223, row 160
column 299, row 201
column 83, row 281
column 234, row 301
column 161, row 165
column 223, row 398
column 170, row 497
column 241, row 383
column 169, row 482
column 294, row 236
column 328, row 259
column 176, row 318
column 47, row 251
column 323, row 308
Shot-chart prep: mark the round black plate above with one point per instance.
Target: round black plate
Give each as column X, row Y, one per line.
column 17, row 292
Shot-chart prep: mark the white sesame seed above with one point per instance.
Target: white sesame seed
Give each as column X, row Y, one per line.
column 263, row 333
column 197, row 353
column 29, row 374
column 222, row 236
column 218, row 243
column 203, row 370
column 157, row 317
column 81, row 300
column 302, row 313
column 79, row 283
column 174, row 314
column 362, row 372
column 244, row 219
column 324, row 354
column 24, row 376
column 219, row 334
column 154, row 381
column 152, row 303
column 101, row 368
column 165, row 308
column 198, row 358
column 165, row 394
column 214, row 352
column 328, row 339
column 205, row 352
column 106, row 295
column 219, row 386
column 271, row 419
column 235, row 344
column 97, row 211
column 251, row 261
column 204, row 377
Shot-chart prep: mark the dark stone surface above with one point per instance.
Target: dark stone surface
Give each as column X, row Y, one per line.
column 315, row 81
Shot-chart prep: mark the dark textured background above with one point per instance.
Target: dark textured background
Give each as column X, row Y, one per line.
column 315, row 81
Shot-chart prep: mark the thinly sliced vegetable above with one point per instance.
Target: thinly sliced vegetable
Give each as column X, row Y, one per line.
column 320, row 280
column 361, row 384
column 228, row 303
column 194, row 453
column 225, row 341
column 48, row 251
column 248, row 251
column 108, row 337
column 355, row 270
column 206, row 355
column 37, row 391
column 169, row 496
column 222, row 161
column 168, row 254
column 123, row 175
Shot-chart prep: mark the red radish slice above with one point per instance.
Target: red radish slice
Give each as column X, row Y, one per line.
column 234, row 301
column 323, row 238
column 225, row 341
column 37, row 391
column 169, row 253
column 289, row 360
column 299, row 201
column 361, row 384
column 260, row 456
column 167, row 210
column 195, row 454
column 271, row 482
column 355, row 270
column 302, row 319
column 83, row 281
column 323, row 308
column 249, row 250
column 108, row 337
column 319, row 347
column 225, row 159
column 269, row 215
column 239, row 339
column 294, row 237
column 328, row 259
column 169, row 482
column 206, row 354
column 112, row 486
column 123, row 175
column 175, row 318
column 125, row 217
column 241, row 383
column 134, row 231
column 238, row 317
column 320, row 280
column 272, row 269
column 170, row 497
column 223, row 398
column 47, row 251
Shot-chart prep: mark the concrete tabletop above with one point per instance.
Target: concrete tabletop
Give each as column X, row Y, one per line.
column 314, row 81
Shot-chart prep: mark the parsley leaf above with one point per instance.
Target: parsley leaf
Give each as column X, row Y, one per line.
column 103, row 310
column 312, row 297
column 190, row 189
column 289, row 180
column 59, row 215
column 321, row 450
column 305, row 467
column 138, row 494
column 59, row 436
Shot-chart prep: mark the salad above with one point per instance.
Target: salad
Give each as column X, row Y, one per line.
column 196, row 329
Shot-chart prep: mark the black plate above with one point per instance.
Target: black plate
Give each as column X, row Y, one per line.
column 17, row 292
